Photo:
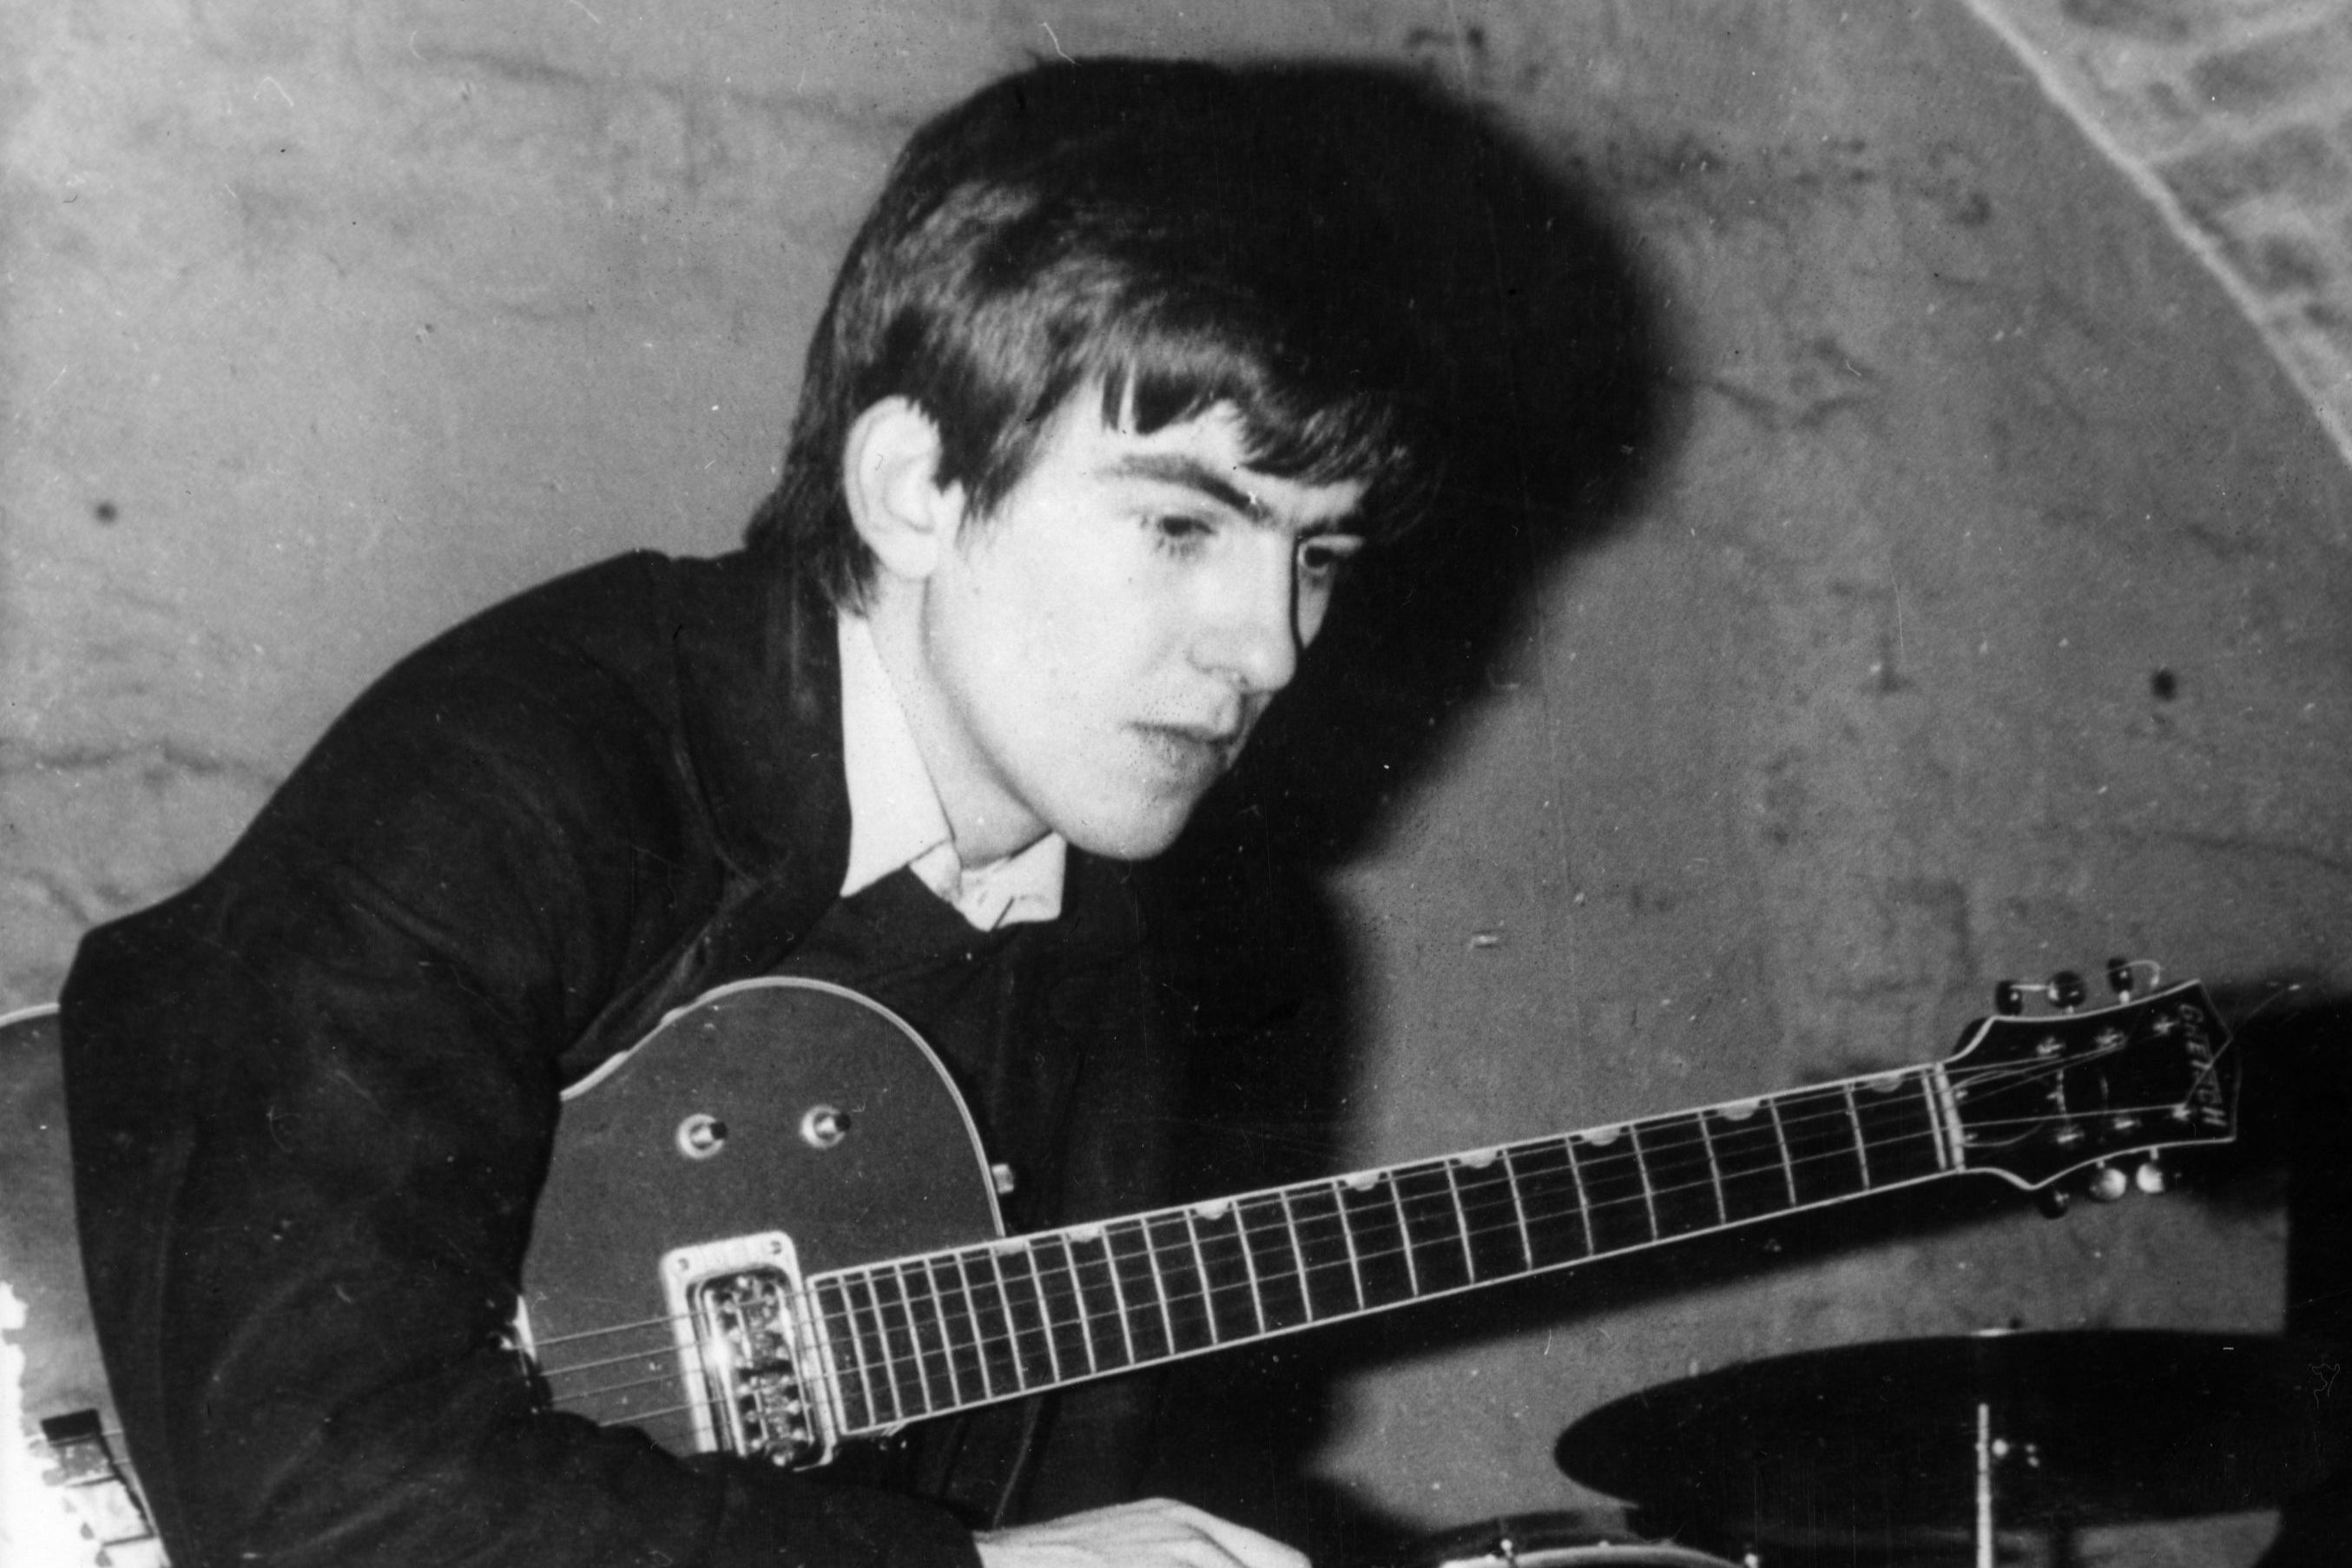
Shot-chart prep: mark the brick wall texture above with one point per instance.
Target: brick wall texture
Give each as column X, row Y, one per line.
column 2237, row 117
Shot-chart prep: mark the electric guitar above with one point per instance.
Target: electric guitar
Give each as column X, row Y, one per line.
column 770, row 1229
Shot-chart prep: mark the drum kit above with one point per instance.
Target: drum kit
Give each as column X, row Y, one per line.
column 1958, row 1452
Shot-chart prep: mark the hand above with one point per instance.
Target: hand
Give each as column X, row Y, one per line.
column 1153, row 1533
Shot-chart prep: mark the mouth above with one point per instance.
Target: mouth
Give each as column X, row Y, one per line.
column 1200, row 753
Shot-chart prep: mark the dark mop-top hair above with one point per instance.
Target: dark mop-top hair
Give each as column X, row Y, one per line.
column 1160, row 230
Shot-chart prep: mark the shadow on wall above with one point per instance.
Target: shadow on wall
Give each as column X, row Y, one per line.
column 2293, row 1036
column 1551, row 399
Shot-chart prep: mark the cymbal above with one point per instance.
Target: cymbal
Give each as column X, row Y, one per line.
column 2089, row 1427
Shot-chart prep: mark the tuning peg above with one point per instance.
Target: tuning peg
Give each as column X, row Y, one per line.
column 2108, row 1183
column 2151, row 1178
column 2067, row 990
column 2008, row 998
column 2119, row 977
column 2053, row 1202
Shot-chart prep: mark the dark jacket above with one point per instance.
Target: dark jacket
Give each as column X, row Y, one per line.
column 311, row 1098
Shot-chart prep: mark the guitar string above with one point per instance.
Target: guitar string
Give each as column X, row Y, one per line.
column 938, row 1349
column 929, row 1344
column 1837, row 1115
column 1061, row 1300
column 978, row 1349
column 1653, row 1164
column 1840, row 1118
column 975, row 1351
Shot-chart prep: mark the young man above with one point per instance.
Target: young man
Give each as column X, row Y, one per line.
column 1106, row 394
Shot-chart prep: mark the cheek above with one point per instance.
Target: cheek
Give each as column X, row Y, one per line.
column 1314, row 608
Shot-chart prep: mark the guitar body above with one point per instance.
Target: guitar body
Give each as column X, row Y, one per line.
column 769, row 1106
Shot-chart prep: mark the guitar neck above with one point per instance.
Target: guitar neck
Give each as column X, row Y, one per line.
column 928, row 1335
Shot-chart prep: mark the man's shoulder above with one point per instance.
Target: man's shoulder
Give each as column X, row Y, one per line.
column 590, row 683
column 640, row 598
column 624, row 633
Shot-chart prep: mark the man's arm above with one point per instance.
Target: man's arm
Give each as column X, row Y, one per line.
column 1153, row 1533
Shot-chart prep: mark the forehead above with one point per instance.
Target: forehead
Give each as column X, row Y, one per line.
column 1204, row 458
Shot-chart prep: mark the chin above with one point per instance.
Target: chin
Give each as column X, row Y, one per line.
column 1139, row 836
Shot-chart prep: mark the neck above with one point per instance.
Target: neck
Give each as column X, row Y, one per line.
column 985, row 821
column 926, row 1335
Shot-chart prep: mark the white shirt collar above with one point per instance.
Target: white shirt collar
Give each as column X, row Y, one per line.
column 894, row 817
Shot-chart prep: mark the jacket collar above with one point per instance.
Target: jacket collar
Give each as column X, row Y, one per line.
column 760, row 688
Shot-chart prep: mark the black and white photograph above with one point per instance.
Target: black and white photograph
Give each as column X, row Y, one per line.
column 1175, row 784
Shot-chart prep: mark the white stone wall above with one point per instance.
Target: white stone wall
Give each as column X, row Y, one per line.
column 2236, row 115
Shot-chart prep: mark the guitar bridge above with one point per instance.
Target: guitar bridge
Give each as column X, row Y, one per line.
column 752, row 1382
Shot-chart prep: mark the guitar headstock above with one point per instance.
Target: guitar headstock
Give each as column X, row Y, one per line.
column 2041, row 1096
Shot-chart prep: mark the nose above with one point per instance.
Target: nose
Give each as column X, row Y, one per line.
column 1251, row 634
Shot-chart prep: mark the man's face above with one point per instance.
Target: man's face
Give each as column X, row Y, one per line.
column 1093, row 656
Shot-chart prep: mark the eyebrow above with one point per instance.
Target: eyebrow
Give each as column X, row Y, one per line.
column 1191, row 473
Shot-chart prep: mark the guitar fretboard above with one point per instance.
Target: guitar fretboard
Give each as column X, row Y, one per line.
column 923, row 1336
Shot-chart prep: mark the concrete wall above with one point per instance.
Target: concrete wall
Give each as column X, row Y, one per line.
column 1982, row 617
column 2237, row 116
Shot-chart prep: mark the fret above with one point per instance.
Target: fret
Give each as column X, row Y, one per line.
column 1024, row 1307
column 1641, row 1166
column 1249, row 1264
column 1432, row 1228
column 1781, row 1136
column 1327, row 1252
column 1494, row 1233
column 1276, row 1283
column 1185, row 1292
column 1104, row 1302
column 1860, row 1148
column 885, row 1354
column 1681, row 1189
column 1553, row 1199
column 1520, row 1209
column 1075, row 1331
column 901, row 1354
column 1616, row 1190
column 1045, row 1326
column 1208, row 1285
column 1298, row 1255
column 1016, row 1350
column 983, row 1338
column 1714, row 1166
column 1898, row 1124
column 947, row 1338
column 1405, row 1233
column 1136, row 1272
column 1825, row 1157
column 1751, row 1168
column 1347, row 1234
column 1460, row 1219
column 1375, row 1228
column 866, row 1412
column 1226, row 1269
column 929, row 1352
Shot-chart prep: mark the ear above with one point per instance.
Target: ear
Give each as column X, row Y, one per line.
column 889, row 473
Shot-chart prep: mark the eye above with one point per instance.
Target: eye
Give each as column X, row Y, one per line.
column 1321, row 555
column 1178, row 533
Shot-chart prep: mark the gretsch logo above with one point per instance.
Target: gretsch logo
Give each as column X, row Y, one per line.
column 2205, row 1089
